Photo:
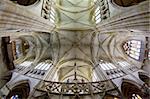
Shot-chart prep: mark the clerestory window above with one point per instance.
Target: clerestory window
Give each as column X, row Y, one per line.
column 133, row 49
column 26, row 63
column 111, row 70
column 43, row 66
column 97, row 15
column 107, row 66
column 48, row 11
column 52, row 15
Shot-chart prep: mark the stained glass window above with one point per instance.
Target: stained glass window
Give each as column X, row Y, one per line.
column 136, row 96
column 111, row 70
column 52, row 15
column 15, row 97
column 133, row 48
column 26, row 63
column 43, row 66
column 107, row 66
column 97, row 15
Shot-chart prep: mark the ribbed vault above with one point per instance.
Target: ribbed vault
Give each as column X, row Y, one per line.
column 75, row 51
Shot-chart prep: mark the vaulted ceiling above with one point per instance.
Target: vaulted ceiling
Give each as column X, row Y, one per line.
column 75, row 14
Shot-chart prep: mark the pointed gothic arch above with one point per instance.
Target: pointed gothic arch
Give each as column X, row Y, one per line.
column 145, row 78
column 132, row 48
column 127, row 3
column 131, row 89
column 25, row 2
column 20, row 89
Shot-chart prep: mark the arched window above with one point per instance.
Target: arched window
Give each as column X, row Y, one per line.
column 20, row 47
column 15, row 97
column 52, row 15
column 111, row 70
column 136, row 96
column 101, row 11
column 24, row 2
column 107, row 66
column 24, row 65
column 127, row 3
column 133, row 90
column 48, row 11
column 40, row 69
column 128, row 89
column 145, row 78
column 20, row 91
column 127, row 65
column 133, row 48
column 97, row 15
column 43, row 66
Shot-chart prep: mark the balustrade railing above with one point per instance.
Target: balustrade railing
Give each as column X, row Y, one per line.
column 85, row 88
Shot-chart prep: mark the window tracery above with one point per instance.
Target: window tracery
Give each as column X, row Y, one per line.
column 97, row 15
column 111, row 70
column 40, row 69
column 43, row 66
column 101, row 11
column 136, row 96
column 107, row 66
column 48, row 12
column 133, row 48
column 22, row 66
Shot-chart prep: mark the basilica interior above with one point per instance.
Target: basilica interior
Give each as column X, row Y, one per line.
column 74, row 49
